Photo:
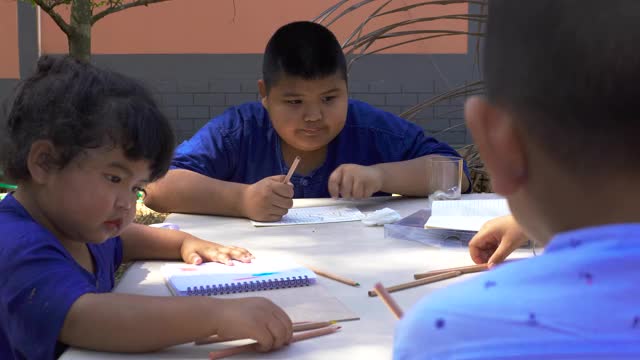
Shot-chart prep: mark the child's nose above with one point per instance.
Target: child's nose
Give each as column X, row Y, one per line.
column 312, row 113
column 125, row 202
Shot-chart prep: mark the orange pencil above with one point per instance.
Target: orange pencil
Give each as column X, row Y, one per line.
column 297, row 327
column 424, row 281
column 292, row 169
column 388, row 300
column 312, row 326
column 219, row 354
column 334, row 277
column 463, row 269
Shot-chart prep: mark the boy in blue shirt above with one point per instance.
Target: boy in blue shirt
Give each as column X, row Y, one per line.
column 81, row 143
column 234, row 164
column 558, row 133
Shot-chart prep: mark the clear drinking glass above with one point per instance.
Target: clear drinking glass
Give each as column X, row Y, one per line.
column 445, row 177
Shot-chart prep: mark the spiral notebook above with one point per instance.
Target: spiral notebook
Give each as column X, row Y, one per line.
column 218, row 279
column 289, row 285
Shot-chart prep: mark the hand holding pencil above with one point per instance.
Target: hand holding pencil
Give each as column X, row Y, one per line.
column 270, row 198
column 304, row 331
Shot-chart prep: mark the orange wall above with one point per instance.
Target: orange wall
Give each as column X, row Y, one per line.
column 9, row 61
column 210, row 27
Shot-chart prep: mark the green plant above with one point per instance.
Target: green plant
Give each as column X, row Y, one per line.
column 84, row 14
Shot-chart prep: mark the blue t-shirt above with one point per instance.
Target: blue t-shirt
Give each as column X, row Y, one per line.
column 242, row 146
column 40, row 281
column 578, row 300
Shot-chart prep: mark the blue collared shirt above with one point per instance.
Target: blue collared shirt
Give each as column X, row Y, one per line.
column 242, row 146
column 578, row 299
column 40, row 281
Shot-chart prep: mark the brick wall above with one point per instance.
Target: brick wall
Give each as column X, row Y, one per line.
column 192, row 89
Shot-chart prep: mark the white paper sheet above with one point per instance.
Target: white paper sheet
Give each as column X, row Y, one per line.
column 315, row 215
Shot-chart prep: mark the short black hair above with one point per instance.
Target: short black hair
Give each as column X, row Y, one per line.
column 570, row 70
column 78, row 106
column 303, row 49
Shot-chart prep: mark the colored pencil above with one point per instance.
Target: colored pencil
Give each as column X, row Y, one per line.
column 388, row 300
column 219, row 354
column 312, row 326
column 463, row 269
column 292, row 169
column 424, row 281
column 297, row 327
column 334, row 277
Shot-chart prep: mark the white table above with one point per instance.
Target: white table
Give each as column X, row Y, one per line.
column 350, row 249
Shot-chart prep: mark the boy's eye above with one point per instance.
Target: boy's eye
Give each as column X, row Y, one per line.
column 327, row 99
column 294, row 102
column 113, row 178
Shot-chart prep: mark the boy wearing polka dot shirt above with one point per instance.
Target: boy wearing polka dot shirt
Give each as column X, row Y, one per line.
column 558, row 133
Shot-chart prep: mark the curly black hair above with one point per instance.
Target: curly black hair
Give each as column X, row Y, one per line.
column 79, row 106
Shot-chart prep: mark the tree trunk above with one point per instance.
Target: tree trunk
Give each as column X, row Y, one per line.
column 80, row 36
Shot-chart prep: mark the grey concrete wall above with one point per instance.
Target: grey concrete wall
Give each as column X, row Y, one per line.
column 194, row 88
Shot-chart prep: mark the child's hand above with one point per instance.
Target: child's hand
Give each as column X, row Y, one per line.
column 268, row 199
column 496, row 240
column 255, row 318
column 353, row 181
column 197, row 251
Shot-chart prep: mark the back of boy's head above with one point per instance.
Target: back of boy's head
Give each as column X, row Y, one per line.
column 78, row 106
column 302, row 49
column 570, row 71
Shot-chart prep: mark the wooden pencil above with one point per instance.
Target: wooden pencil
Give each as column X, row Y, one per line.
column 219, row 354
column 292, row 169
column 312, row 326
column 463, row 269
column 297, row 327
column 424, row 281
column 388, row 300
column 334, row 277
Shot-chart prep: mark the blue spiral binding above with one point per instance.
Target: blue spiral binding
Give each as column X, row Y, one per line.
column 212, row 290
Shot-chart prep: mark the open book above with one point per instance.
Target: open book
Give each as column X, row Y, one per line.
column 468, row 215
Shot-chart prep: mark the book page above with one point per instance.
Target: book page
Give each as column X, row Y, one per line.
column 467, row 215
column 315, row 215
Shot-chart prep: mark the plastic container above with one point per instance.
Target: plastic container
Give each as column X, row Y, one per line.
column 412, row 228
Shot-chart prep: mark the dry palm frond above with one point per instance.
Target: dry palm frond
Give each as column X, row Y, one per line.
column 480, row 181
column 395, row 33
column 146, row 216
column 360, row 41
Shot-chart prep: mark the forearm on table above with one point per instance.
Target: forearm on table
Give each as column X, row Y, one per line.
column 189, row 192
column 404, row 177
column 410, row 177
column 134, row 323
column 145, row 242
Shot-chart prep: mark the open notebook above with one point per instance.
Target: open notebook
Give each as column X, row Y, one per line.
column 292, row 287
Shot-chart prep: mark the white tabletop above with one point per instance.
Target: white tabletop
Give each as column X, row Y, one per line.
column 350, row 249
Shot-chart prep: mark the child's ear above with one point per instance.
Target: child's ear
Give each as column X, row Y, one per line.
column 262, row 89
column 499, row 143
column 40, row 160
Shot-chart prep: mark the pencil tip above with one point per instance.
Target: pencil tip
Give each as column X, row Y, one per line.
column 357, row 284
